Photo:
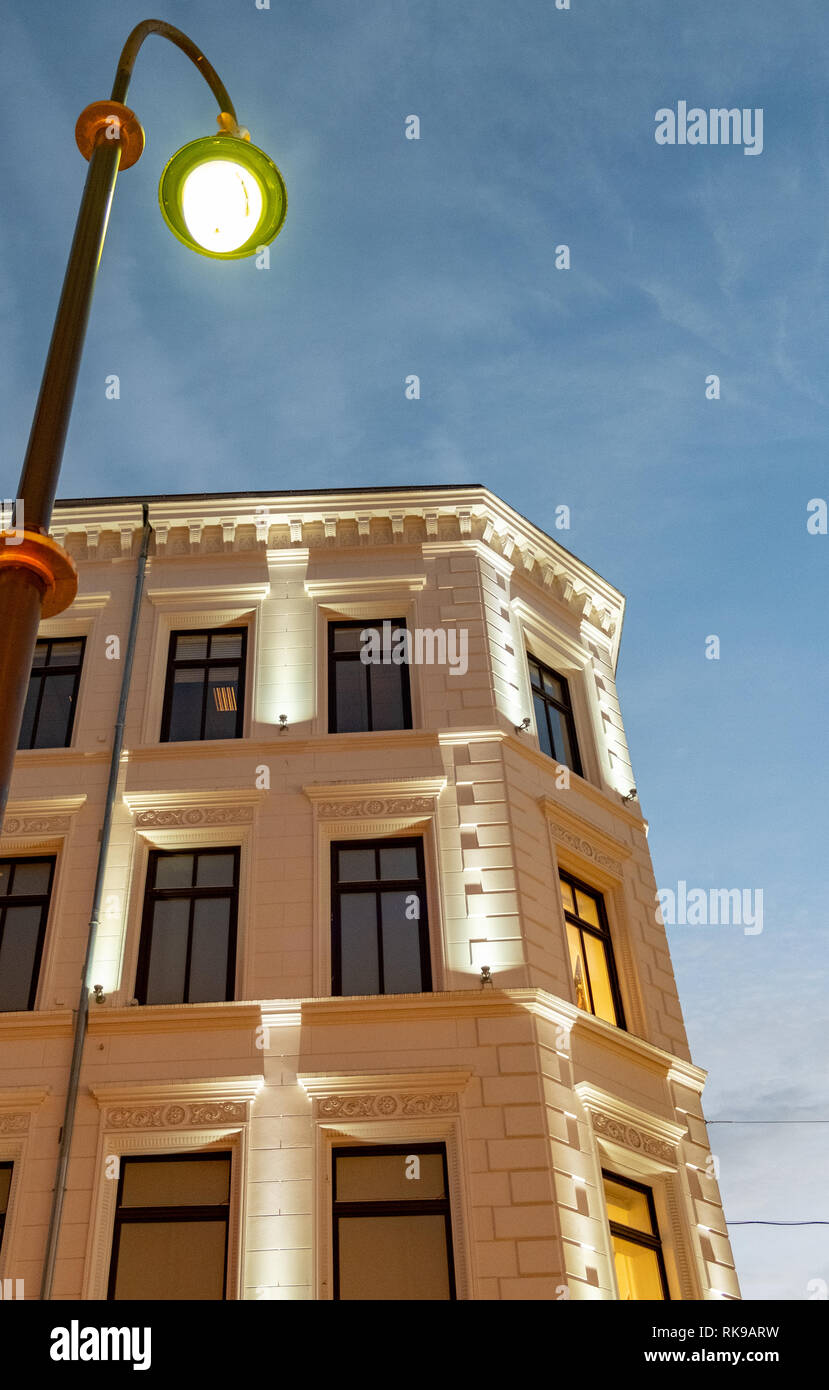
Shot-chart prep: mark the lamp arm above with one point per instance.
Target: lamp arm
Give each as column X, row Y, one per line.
column 129, row 53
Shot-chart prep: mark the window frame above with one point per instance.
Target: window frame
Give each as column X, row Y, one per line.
column 30, row 900
column 203, row 664
column 4, row 1211
column 565, row 709
column 334, row 659
column 603, row 935
column 41, row 674
column 180, row 1213
column 630, row 1233
column 434, row 1207
column 153, row 895
column 367, row 885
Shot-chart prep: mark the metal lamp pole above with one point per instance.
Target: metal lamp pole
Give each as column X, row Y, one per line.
column 37, row 577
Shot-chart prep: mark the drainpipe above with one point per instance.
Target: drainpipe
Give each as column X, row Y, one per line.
column 82, row 1014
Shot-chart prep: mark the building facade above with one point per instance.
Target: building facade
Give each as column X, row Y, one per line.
column 383, row 1006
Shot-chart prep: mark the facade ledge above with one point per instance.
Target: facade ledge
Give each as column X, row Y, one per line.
column 22, row 1097
column 584, row 836
column 394, row 797
column 174, row 1018
column 36, row 1024
column 189, row 809
column 227, row 595
column 628, row 1124
column 331, row 590
column 239, row 1090
column 319, row 1084
column 290, row 742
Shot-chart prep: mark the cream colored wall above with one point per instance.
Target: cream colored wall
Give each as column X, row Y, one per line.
column 497, row 825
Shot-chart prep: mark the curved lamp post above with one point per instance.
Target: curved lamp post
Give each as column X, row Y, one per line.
column 222, row 197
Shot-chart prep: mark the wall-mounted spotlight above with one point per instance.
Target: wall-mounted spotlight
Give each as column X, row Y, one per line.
column 524, row 726
column 283, row 723
column 631, row 796
column 486, row 977
column 98, row 992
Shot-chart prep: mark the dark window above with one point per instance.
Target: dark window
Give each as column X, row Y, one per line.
column 366, row 695
column 5, row 1185
column 49, row 712
column 637, row 1249
column 591, row 951
column 25, row 886
column 380, row 941
column 554, row 716
column 392, row 1227
column 205, row 694
column 188, row 936
column 171, row 1228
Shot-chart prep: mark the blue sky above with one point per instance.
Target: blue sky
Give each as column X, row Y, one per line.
column 584, row 387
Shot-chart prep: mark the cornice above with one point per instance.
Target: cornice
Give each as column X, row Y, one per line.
column 250, row 525
column 39, row 757
column 189, row 809
column 584, row 837
column 23, row 1097
column 174, row 1105
column 397, row 1095
column 175, row 1018
column 47, row 816
column 623, row 1123
column 344, row 587
column 212, row 595
column 241, row 1088
column 318, row 1083
column 298, row 744
column 394, row 796
column 31, row 1027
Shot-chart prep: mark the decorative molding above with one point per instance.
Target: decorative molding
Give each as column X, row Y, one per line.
column 621, row 1123
column 377, row 807
column 210, row 596
column 221, row 1100
column 373, row 801
column 585, row 849
column 631, row 1137
column 585, row 838
column 15, row 1121
column 175, row 1116
column 386, row 1093
column 193, row 816
column 385, row 1107
column 345, row 585
column 45, row 816
column 174, row 1018
column 191, row 809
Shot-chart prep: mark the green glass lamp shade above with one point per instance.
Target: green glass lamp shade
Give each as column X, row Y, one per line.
column 222, row 197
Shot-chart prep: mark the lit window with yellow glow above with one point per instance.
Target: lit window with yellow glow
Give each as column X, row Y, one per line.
column 634, row 1234
column 595, row 981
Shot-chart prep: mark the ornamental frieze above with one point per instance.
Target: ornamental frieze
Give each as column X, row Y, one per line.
column 377, row 806
column 35, row 825
column 195, row 815
column 175, row 1116
column 385, row 1106
column 584, row 848
column 622, row 1133
column 16, row 1122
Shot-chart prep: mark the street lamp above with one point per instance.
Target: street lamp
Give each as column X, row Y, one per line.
column 222, row 197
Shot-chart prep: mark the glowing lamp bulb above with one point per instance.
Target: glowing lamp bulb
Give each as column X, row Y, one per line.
column 223, row 197
column 221, row 203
